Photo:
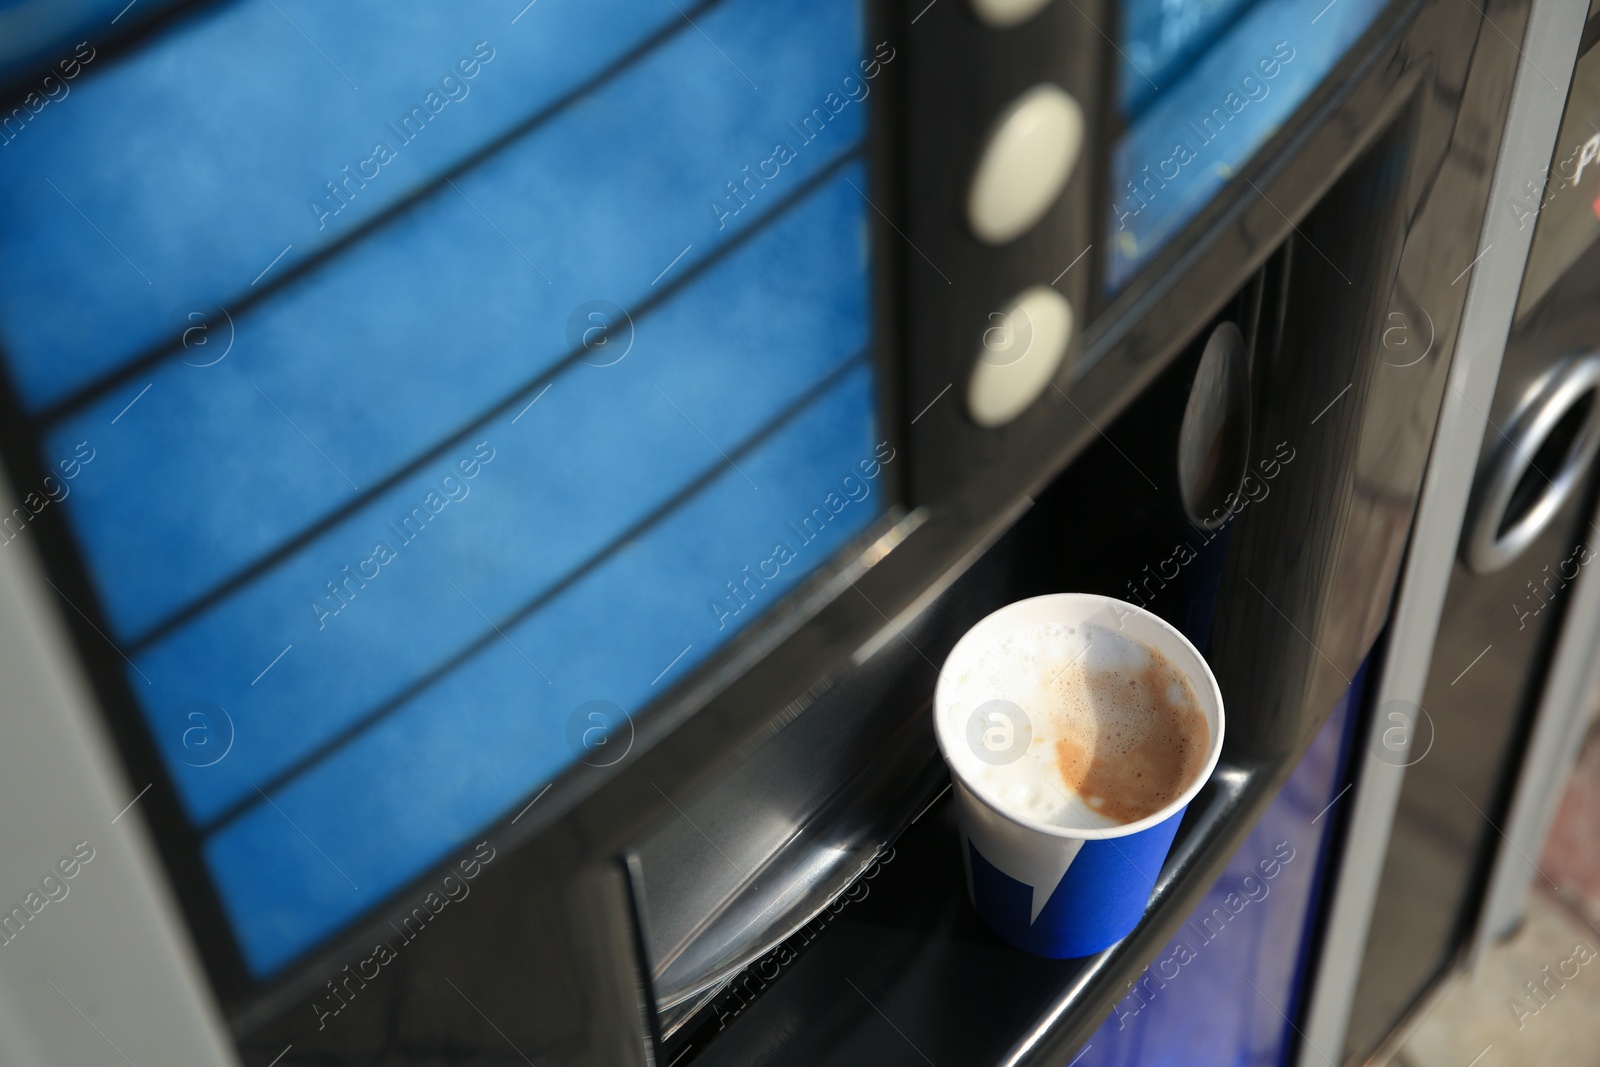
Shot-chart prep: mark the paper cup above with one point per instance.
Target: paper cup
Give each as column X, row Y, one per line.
column 1053, row 890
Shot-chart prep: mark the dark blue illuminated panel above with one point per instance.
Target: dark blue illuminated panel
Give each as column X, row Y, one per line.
column 1205, row 83
column 390, row 516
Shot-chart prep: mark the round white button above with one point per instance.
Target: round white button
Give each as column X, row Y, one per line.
column 1028, row 159
column 1020, row 353
column 1003, row 14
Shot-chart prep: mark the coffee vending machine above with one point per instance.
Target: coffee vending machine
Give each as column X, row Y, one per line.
column 488, row 490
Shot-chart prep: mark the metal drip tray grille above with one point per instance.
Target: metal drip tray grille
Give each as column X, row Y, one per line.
column 734, row 991
column 746, row 931
column 746, row 865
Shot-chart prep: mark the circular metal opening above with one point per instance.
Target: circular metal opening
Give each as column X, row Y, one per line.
column 1539, row 463
column 1547, row 463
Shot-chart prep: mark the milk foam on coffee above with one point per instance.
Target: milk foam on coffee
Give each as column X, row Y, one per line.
column 1116, row 730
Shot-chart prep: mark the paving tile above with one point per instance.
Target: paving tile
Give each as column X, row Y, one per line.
column 1490, row 1019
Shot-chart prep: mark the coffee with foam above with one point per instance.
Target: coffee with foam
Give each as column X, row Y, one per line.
column 1076, row 726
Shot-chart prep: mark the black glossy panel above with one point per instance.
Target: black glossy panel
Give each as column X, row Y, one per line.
column 1495, row 640
column 961, row 76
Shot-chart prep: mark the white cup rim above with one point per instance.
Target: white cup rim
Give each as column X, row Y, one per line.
column 1198, row 671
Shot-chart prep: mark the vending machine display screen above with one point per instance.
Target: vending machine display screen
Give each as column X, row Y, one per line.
column 423, row 392
column 1202, row 85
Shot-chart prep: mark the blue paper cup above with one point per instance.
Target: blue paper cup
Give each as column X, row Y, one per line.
column 1061, row 891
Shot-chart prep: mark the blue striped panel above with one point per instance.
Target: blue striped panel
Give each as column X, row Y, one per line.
column 411, row 790
column 43, row 35
column 412, row 333
column 597, row 453
column 221, row 133
column 596, row 529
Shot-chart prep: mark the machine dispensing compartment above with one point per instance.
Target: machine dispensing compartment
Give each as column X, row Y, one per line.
column 1241, row 496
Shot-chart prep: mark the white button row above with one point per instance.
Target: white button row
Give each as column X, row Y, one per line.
column 1021, row 351
column 1003, row 14
column 1026, row 162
